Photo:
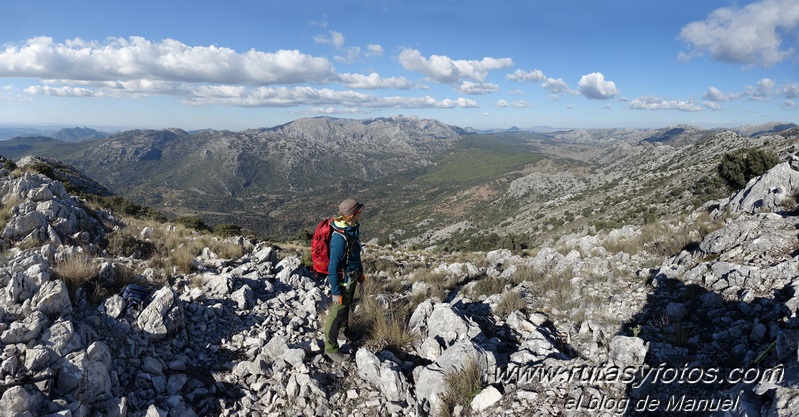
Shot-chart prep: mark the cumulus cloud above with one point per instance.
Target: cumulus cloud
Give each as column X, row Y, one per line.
column 789, row 105
column 374, row 50
column 520, row 104
column 335, row 110
column 468, row 87
column 533, row 75
column 713, row 94
column 351, row 54
column 374, row 81
column 302, row 95
column 791, row 90
column 762, row 91
column 657, row 103
column 557, row 87
column 594, row 86
column 712, row 105
column 752, row 35
column 136, row 58
column 446, row 70
column 62, row 91
column 336, row 39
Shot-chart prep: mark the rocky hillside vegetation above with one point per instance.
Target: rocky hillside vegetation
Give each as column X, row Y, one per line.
column 697, row 312
column 424, row 182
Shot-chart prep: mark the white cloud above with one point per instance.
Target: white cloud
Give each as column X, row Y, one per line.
column 374, row 50
column 520, row 104
column 533, row 75
column 335, row 110
column 332, row 38
column 136, row 58
column 557, row 87
column 301, row 95
column 752, row 35
column 448, row 71
column 352, row 54
column 762, row 91
column 374, row 81
column 468, row 87
column 62, row 91
column 595, row 87
column 715, row 95
column 657, row 103
column 790, row 90
column 712, row 105
column 458, row 102
column 789, row 105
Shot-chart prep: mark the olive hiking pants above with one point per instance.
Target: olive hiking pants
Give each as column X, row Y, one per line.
column 338, row 317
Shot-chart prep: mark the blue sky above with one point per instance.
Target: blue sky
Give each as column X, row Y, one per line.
column 483, row 64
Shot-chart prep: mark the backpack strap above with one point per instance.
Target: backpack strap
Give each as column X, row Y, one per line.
column 347, row 243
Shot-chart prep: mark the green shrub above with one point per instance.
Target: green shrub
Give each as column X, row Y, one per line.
column 123, row 206
column 740, row 166
column 192, row 222
column 227, row 230
column 122, row 243
column 467, row 242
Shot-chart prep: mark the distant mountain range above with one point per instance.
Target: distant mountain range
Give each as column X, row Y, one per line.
column 74, row 134
column 416, row 175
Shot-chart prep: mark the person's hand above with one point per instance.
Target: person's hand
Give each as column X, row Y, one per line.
column 337, row 299
column 362, row 278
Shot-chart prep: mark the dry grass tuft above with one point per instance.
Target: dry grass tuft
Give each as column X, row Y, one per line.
column 182, row 258
column 509, row 303
column 5, row 210
column 664, row 239
column 76, row 271
column 555, row 285
column 461, row 387
column 488, row 286
column 438, row 284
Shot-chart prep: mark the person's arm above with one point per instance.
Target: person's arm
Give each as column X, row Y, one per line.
column 336, row 256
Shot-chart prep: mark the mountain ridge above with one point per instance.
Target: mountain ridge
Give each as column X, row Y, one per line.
column 280, row 179
column 233, row 326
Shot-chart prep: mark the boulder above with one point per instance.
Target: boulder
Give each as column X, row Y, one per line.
column 384, row 375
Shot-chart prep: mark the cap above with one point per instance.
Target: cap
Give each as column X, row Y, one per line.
column 349, row 207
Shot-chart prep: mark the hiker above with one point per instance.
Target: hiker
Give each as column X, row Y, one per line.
column 343, row 271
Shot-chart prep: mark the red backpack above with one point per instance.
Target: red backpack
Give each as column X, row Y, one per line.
column 320, row 246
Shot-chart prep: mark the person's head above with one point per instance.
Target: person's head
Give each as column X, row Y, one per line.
column 350, row 210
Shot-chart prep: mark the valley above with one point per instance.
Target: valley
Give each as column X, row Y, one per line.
column 420, row 178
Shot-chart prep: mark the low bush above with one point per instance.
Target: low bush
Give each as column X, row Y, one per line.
column 191, row 222
column 227, row 230
column 740, row 166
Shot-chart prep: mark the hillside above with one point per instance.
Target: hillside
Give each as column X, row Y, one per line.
column 622, row 321
column 422, row 180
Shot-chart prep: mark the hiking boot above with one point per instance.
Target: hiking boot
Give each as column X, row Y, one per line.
column 349, row 336
column 339, row 357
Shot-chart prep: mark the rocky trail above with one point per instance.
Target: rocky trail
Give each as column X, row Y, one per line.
column 711, row 330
